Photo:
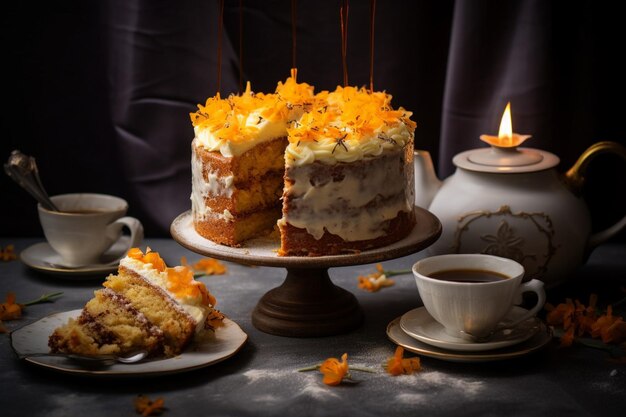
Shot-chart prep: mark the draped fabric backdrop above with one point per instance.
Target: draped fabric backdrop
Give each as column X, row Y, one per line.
column 100, row 92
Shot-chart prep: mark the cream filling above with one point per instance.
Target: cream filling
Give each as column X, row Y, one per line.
column 341, row 207
column 192, row 305
column 262, row 130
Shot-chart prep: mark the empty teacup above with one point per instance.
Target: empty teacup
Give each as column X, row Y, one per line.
column 86, row 226
column 470, row 295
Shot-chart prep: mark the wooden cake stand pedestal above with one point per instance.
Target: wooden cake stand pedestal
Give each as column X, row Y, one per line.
column 307, row 303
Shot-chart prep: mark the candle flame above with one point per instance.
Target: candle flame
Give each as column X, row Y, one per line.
column 505, row 133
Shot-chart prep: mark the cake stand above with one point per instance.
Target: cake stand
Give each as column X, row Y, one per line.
column 307, row 304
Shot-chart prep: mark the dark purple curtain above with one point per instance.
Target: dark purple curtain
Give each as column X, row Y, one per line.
column 99, row 92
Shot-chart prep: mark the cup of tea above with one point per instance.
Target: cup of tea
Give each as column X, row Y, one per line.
column 470, row 295
column 86, row 226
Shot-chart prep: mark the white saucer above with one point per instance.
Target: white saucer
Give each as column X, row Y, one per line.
column 419, row 324
column 540, row 339
column 42, row 257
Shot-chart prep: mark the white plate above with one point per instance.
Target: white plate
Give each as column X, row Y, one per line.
column 42, row 257
column 419, row 324
column 33, row 338
column 538, row 341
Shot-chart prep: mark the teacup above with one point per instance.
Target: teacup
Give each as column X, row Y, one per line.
column 86, row 226
column 471, row 294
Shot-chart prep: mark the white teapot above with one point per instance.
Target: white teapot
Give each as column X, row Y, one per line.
column 511, row 202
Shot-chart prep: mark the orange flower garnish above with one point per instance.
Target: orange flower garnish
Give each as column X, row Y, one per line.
column 147, row 407
column 334, row 370
column 397, row 365
column 206, row 266
column 375, row 281
column 8, row 253
column 10, row 310
column 578, row 320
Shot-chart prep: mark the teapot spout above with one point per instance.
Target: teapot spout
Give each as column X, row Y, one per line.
column 426, row 182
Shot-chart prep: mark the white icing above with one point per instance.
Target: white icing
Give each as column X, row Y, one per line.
column 211, row 186
column 192, row 305
column 260, row 130
column 327, row 151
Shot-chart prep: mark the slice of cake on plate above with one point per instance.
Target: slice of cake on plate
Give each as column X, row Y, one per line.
column 145, row 306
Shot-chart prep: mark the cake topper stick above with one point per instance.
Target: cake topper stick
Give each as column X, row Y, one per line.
column 372, row 21
column 220, row 25
column 343, row 16
column 294, row 21
column 240, row 46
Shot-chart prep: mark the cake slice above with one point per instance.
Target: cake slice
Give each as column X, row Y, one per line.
column 146, row 305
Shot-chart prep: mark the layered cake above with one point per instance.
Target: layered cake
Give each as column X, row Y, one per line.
column 341, row 162
column 145, row 306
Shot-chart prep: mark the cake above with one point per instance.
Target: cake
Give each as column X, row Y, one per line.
column 145, row 306
column 341, row 162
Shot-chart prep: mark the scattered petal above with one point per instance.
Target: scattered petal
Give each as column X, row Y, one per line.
column 375, row 281
column 9, row 310
column 334, row 370
column 147, row 407
column 398, row 365
column 7, row 253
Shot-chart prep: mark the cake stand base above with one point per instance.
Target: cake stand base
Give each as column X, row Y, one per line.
column 307, row 304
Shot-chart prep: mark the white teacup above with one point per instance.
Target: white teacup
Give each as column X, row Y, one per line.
column 467, row 308
column 86, row 226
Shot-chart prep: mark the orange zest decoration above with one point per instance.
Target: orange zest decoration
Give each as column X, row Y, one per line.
column 334, row 370
column 397, row 365
column 375, row 281
column 348, row 113
column 149, row 258
column 578, row 320
column 8, row 253
column 147, row 407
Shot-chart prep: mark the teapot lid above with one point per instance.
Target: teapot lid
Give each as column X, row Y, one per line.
column 505, row 159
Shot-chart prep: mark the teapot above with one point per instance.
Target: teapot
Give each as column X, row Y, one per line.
column 509, row 201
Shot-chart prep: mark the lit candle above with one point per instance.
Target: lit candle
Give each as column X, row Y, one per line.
column 506, row 138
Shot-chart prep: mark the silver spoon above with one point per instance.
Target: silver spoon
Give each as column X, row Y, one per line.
column 23, row 170
column 103, row 360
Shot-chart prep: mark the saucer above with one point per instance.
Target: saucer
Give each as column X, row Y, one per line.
column 538, row 341
column 43, row 258
column 419, row 324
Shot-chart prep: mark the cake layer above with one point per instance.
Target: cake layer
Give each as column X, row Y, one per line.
column 235, row 230
column 108, row 324
column 256, row 194
column 298, row 242
column 158, row 306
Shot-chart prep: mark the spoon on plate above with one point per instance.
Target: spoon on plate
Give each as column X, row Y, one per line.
column 23, row 170
column 97, row 360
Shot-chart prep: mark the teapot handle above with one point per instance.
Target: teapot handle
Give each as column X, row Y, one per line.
column 575, row 178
